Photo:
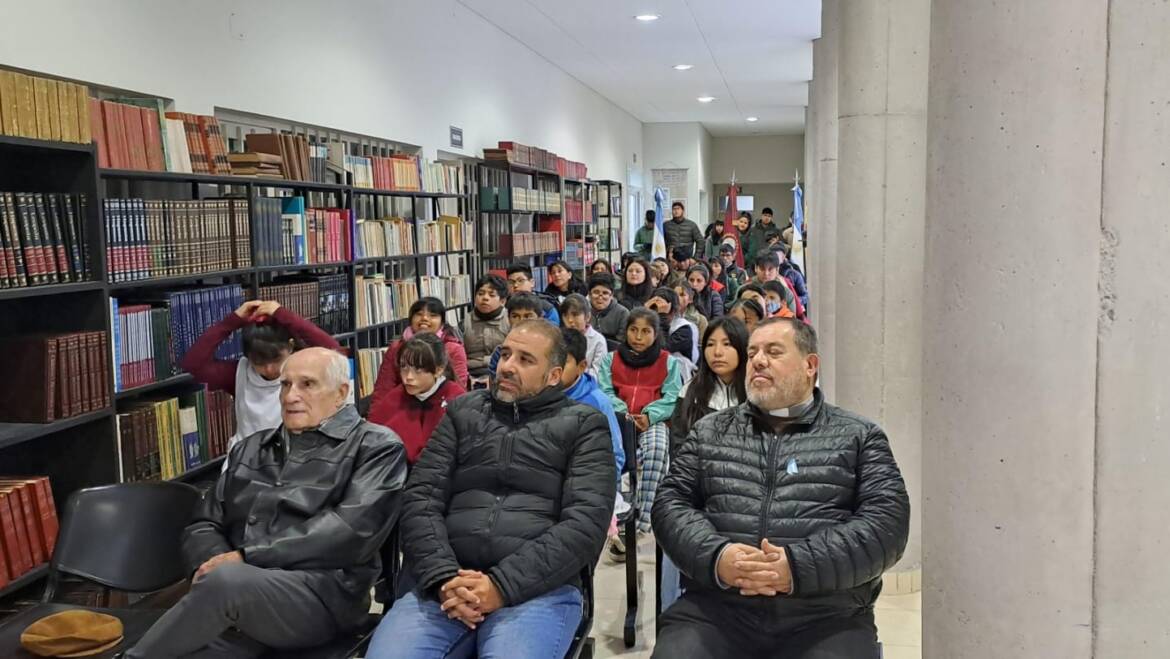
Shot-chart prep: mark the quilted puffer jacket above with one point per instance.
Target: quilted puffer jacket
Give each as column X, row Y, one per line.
column 521, row 491
column 826, row 487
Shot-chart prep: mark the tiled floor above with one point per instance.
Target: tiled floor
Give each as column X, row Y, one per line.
column 898, row 616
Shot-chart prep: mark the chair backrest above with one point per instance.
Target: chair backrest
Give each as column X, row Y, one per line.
column 630, row 443
column 126, row 537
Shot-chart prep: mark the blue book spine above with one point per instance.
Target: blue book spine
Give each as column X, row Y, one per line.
column 116, row 343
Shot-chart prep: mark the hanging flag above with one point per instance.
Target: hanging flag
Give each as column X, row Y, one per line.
column 797, row 256
column 729, row 217
column 658, row 249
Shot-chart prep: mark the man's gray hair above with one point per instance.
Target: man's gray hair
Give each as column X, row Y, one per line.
column 336, row 369
column 559, row 351
column 805, row 336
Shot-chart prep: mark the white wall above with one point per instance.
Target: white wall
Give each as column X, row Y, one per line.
column 403, row 70
column 679, row 145
column 757, row 159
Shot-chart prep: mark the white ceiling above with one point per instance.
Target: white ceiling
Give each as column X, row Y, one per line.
column 754, row 56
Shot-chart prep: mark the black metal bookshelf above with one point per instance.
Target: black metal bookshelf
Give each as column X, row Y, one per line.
column 610, row 218
column 523, row 221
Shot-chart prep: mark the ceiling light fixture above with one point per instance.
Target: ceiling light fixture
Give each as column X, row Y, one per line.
column 706, row 99
column 683, row 67
column 646, row 18
column 753, row 119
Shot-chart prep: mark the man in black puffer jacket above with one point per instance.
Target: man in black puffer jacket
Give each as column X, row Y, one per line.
column 509, row 502
column 782, row 513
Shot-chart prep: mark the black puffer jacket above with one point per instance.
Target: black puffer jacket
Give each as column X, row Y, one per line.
column 521, row 491
column 826, row 488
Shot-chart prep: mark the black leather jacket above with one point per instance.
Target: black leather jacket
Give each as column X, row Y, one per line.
column 521, row 491
column 826, row 487
column 324, row 509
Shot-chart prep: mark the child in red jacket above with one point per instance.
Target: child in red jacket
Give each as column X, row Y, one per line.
column 428, row 315
column 418, row 402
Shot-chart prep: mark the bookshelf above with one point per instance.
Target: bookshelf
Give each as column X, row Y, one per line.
column 580, row 225
column 611, row 227
column 520, row 210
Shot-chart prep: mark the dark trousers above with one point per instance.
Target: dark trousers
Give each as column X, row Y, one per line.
column 699, row 626
column 239, row 611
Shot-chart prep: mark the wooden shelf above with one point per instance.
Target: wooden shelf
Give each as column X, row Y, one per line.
column 12, row 434
column 27, row 579
column 50, row 289
column 182, row 378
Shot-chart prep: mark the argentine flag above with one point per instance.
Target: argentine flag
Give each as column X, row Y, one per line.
column 658, row 250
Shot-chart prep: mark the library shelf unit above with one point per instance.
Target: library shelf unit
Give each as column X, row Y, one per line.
column 84, row 450
column 498, row 186
column 580, row 225
column 610, row 221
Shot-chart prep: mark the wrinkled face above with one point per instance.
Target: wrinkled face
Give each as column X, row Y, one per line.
column 577, row 321
column 778, row 375
column 600, row 297
column 560, row 276
column 416, row 380
column 767, row 273
column 524, row 370
column 697, row 281
column 307, row 397
column 488, row 300
column 270, row 370
column 635, row 274
column 426, row 321
column 520, row 283
column 517, row 316
column 640, row 335
column 720, row 355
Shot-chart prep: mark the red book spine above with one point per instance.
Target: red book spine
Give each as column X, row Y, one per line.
column 11, row 533
column 97, row 129
column 152, row 136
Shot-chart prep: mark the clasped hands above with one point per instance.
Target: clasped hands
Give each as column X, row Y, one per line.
column 762, row 570
column 470, row 597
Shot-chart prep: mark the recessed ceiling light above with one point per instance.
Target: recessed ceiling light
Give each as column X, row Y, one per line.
column 646, row 18
column 706, row 99
column 683, row 67
column 753, row 119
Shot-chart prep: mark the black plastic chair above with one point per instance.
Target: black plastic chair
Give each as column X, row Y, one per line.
column 123, row 537
column 582, row 645
column 630, row 443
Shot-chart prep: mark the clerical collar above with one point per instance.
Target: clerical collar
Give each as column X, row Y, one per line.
column 794, row 411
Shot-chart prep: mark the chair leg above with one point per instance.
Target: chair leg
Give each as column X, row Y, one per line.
column 658, row 590
column 628, row 635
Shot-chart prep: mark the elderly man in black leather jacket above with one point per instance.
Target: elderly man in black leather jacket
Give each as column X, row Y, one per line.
column 782, row 513
column 286, row 547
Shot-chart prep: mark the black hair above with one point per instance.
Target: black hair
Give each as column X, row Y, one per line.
column 701, row 269
column 601, row 279
column 560, row 263
column 778, row 288
column 575, row 343
column 525, row 302
column 702, row 386
column 556, row 351
column 640, row 292
column 662, row 260
column 806, row 336
column 746, row 214
column 750, row 305
column 425, row 352
column 722, row 276
column 766, row 258
column 679, row 204
column 496, row 282
column 574, row 304
column 650, row 216
column 574, row 280
column 671, row 297
column 605, row 262
column 651, row 318
column 767, row 211
column 520, row 267
column 431, row 305
column 751, row 286
column 680, row 253
column 267, row 342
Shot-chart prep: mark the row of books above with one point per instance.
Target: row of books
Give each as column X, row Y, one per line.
column 453, row 290
column 397, row 172
column 447, row 234
column 381, row 300
column 153, row 238
column 323, row 300
column 136, row 134
column 142, row 344
column 28, row 525
column 369, row 363
column 609, row 239
column 609, row 200
column 288, row 233
column 299, row 160
column 389, row 236
column 163, row 439
column 529, row 244
column 531, row 156
column 580, row 212
column 43, row 109
column 56, row 376
column 43, row 239
column 579, row 254
column 444, row 178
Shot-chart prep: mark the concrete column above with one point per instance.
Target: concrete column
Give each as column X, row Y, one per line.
column 1045, row 470
column 823, row 224
column 880, row 211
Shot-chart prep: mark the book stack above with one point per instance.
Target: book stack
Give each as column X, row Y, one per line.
column 382, row 301
column 571, row 169
column 148, row 238
column 257, row 165
column 287, row 233
column 43, row 239
column 446, row 234
column 142, row 344
column 443, row 178
column 117, row 141
column 298, row 160
column 43, row 109
column 322, row 300
column 369, row 363
column 391, row 236
column 520, row 154
column 52, row 377
column 453, row 290
column 28, row 525
column 163, row 439
column 578, row 212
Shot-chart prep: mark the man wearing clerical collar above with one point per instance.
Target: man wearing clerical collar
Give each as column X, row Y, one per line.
column 284, row 550
column 782, row 514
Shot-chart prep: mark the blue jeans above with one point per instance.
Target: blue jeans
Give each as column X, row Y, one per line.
column 541, row 628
